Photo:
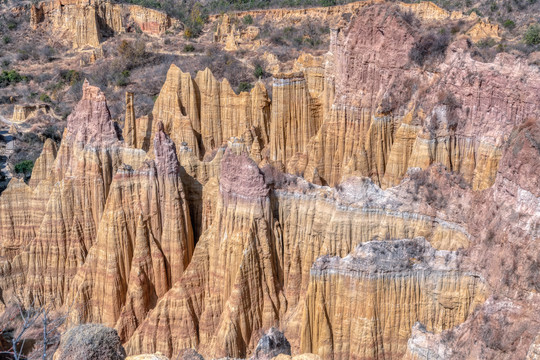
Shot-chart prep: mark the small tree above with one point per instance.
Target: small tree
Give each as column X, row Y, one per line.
column 195, row 22
column 189, row 48
column 244, row 86
column 24, row 167
column 248, row 20
column 532, row 35
column 259, row 71
column 32, row 318
column 509, row 24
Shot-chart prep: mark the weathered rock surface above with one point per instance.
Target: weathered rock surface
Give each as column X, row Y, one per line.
column 58, row 216
column 130, row 123
column 396, row 260
column 292, row 124
column 229, row 291
column 363, row 306
column 202, row 114
column 88, row 21
column 235, row 38
column 143, row 245
column 379, row 126
column 156, row 356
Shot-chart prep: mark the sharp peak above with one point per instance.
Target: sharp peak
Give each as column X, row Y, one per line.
column 165, row 152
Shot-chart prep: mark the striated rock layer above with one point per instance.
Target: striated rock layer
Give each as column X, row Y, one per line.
column 203, row 113
column 143, row 245
column 184, row 230
column 364, row 305
column 230, row 291
column 379, row 126
column 89, row 21
column 59, row 214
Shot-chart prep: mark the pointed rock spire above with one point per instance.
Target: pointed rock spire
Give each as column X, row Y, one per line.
column 165, row 151
column 130, row 131
column 241, row 177
column 90, row 122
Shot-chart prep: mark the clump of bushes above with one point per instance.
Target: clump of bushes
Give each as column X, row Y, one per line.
column 259, row 71
column 306, row 35
column 91, row 341
column 195, row 22
column 189, row 48
column 509, row 24
column 475, row 10
column 326, row 3
column 10, row 77
column 53, row 132
column 70, row 77
column 224, row 65
column 248, row 20
column 430, row 47
column 408, row 17
column 45, row 98
column 532, row 35
column 133, row 53
column 244, row 86
column 24, row 167
column 123, row 78
column 486, row 43
column 11, row 25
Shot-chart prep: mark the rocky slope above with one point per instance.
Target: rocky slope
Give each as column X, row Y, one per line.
column 372, row 207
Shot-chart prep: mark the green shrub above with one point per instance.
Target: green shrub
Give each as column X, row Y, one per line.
column 70, row 76
column 24, row 167
column 248, row 20
column 195, row 22
column 45, row 98
column 12, row 25
column 9, row 77
column 123, row 78
column 328, row 2
column 486, row 43
column 532, row 35
column 509, row 24
column 189, row 48
column 6, row 39
column 259, row 71
column 244, row 86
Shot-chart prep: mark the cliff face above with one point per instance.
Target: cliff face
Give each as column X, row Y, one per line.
column 64, row 204
column 230, row 291
column 507, row 323
column 143, row 245
column 364, row 305
column 88, row 21
column 292, row 124
column 302, row 223
column 203, row 113
column 383, row 121
column 212, row 220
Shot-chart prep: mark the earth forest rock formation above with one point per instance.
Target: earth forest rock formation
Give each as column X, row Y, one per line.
column 367, row 205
